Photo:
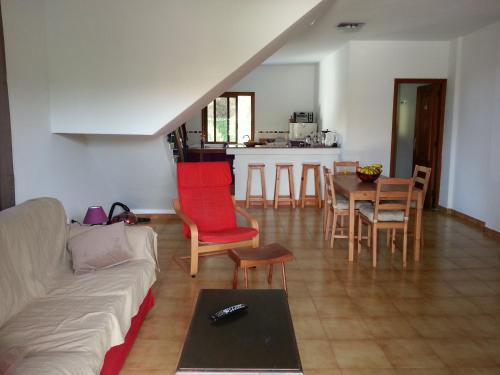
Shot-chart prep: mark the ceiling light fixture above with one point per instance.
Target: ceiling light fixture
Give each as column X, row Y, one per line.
column 350, row 26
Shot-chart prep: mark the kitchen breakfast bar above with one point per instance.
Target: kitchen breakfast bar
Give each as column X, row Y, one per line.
column 270, row 156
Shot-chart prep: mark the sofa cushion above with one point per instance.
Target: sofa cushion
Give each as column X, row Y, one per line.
column 70, row 324
column 141, row 238
column 131, row 280
column 59, row 363
column 102, row 247
column 86, row 314
column 32, row 251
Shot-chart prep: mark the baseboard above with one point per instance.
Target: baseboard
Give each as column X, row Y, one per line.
column 471, row 220
column 153, row 211
column 464, row 217
column 270, row 203
column 492, row 233
column 160, row 217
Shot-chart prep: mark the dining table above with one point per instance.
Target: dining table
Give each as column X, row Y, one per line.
column 352, row 188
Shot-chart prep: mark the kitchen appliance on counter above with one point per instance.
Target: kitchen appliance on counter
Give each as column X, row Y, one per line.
column 300, row 130
column 331, row 139
column 297, row 143
column 303, row 117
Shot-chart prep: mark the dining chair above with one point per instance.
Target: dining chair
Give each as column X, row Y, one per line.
column 338, row 209
column 421, row 178
column 327, row 204
column 345, row 167
column 391, row 211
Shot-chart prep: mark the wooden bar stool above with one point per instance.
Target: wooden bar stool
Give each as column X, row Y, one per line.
column 266, row 255
column 256, row 198
column 310, row 199
column 284, row 199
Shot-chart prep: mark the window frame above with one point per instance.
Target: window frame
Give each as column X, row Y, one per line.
column 229, row 94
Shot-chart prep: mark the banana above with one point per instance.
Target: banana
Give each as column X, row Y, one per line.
column 371, row 169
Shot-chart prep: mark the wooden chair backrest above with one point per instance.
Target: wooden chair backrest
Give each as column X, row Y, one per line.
column 326, row 191
column 421, row 178
column 393, row 194
column 331, row 188
column 345, row 167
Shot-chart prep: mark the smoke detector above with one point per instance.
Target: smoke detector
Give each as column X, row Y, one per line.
column 350, row 26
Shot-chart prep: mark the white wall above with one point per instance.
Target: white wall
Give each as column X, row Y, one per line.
column 373, row 66
column 279, row 90
column 333, row 88
column 448, row 160
column 493, row 214
column 128, row 67
column 44, row 164
column 475, row 121
column 78, row 170
column 139, row 169
column 122, row 67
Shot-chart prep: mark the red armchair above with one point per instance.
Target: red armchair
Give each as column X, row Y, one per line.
column 208, row 211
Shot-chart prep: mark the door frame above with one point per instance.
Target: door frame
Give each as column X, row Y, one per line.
column 437, row 171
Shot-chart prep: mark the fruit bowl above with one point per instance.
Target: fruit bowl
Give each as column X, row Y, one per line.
column 368, row 177
column 369, row 173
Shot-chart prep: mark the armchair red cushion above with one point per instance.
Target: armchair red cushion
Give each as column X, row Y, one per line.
column 228, row 235
column 204, row 196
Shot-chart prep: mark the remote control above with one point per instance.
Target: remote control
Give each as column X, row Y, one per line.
column 228, row 311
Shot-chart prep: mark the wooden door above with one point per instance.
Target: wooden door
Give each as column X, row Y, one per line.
column 426, row 140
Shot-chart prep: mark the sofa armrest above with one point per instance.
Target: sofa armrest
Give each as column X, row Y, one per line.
column 142, row 240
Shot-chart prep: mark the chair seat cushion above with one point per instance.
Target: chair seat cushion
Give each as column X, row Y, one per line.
column 389, row 215
column 228, row 235
column 343, row 204
column 413, row 204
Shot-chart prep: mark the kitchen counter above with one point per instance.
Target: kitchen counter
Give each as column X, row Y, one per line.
column 272, row 155
column 270, row 150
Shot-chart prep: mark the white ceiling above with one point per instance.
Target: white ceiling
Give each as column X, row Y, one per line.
column 388, row 20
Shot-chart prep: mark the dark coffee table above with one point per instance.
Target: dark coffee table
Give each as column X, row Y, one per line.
column 261, row 340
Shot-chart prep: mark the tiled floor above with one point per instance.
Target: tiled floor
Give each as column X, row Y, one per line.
column 441, row 316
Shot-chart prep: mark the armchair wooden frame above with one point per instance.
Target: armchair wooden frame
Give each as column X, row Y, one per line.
column 199, row 248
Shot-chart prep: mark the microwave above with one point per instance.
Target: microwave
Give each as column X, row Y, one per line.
column 303, row 117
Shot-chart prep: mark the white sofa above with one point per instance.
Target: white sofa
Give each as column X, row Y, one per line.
column 66, row 323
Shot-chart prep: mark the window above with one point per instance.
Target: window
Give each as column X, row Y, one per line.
column 229, row 118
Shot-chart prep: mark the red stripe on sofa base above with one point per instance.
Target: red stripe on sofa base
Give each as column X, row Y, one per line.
column 116, row 356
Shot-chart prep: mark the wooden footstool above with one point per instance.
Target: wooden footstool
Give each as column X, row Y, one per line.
column 262, row 256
